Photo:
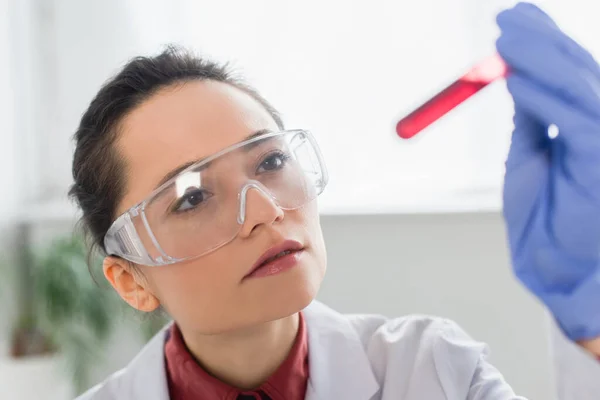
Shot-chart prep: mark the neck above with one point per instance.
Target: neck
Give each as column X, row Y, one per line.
column 246, row 358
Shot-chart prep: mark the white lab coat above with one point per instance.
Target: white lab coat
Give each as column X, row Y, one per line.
column 577, row 374
column 358, row 357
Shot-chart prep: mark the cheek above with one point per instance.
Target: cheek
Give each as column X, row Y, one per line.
column 205, row 295
column 308, row 218
column 192, row 292
column 314, row 231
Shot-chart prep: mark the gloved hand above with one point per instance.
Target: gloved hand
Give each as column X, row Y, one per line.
column 552, row 186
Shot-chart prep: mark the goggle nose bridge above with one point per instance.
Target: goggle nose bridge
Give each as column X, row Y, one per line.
column 243, row 196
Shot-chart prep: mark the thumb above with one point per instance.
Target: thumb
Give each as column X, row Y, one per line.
column 529, row 138
column 527, row 169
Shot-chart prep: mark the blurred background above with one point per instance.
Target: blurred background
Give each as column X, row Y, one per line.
column 411, row 226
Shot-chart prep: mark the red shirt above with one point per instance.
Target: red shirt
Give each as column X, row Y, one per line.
column 188, row 380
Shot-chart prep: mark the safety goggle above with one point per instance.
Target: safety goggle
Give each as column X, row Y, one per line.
column 205, row 206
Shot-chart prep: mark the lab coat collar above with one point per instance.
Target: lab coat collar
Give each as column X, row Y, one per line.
column 338, row 364
column 147, row 371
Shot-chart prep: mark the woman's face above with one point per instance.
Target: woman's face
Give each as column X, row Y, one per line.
column 210, row 294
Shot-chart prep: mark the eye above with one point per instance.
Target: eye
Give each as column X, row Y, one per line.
column 273, row 162
column 190, row 200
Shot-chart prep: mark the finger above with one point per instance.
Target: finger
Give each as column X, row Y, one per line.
column 542, row 61
column 529, row 19
column 575, row 220
column 524, row 183
column 575, row 153
column 529, row 139
column 577, row 130
column 539, row 207
column 527, row 15
column 585, row 59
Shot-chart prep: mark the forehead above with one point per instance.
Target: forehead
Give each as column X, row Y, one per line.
column 180, row 124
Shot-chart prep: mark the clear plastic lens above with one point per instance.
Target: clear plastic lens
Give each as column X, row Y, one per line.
column 199, row 210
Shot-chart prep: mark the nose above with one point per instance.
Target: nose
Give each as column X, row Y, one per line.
column 257, row 208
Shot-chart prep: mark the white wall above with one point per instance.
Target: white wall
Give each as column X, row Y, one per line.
column 345, row 69
column 317, row 62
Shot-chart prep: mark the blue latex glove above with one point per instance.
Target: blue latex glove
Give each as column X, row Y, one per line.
column 552, row 187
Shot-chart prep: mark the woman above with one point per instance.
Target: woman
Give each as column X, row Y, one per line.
column 224, row 235
column 204, row 205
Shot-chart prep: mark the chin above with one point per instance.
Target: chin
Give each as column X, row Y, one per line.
column 293, row 290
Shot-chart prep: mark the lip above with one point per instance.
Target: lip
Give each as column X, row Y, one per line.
column 287, row 245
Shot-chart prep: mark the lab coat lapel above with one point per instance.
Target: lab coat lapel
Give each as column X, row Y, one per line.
column 147, row 372
column 338, row 364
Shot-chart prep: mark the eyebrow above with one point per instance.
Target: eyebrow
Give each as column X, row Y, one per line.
column 173, row 173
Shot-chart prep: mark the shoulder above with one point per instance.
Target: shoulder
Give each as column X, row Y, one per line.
column 407, row 334
column 427, row 332
column 426, row 354
column 415, row 334
column 143, row 378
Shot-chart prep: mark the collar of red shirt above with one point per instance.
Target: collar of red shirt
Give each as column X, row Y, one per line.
column 188, row 380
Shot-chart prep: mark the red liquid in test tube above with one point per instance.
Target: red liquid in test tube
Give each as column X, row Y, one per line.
column 481, row 75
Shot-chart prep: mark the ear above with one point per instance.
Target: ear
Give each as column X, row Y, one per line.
column 129, row 286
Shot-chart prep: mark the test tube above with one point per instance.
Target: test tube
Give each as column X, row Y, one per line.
column 481, row 75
